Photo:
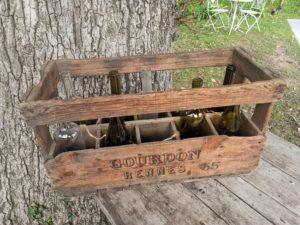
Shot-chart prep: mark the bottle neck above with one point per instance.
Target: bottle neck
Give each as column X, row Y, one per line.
column 229, row 74
column 197, row 82
column 115, row 85
column 234, row 108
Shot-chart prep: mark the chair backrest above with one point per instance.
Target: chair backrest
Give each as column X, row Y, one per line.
column 212, row 3
column 259, row 5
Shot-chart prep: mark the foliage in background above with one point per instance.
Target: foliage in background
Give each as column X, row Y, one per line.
column 39, row 214
column 275, row 46
column 68, row 206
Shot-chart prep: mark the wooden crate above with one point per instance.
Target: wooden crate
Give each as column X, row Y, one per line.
column 155, row 158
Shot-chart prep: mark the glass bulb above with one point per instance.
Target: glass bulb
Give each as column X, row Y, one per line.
column 67, row 133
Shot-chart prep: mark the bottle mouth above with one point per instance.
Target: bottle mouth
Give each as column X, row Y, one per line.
column 68, row 132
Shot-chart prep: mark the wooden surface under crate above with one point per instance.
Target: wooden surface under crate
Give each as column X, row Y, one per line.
column 155, row 158
column 269, row 195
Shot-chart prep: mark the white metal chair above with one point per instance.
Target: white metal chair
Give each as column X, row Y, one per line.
column 215, row 12
column 255, row 11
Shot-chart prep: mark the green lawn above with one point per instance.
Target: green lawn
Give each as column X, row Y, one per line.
column 275, row 46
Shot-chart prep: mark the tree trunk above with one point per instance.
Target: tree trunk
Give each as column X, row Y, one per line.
column 33, row 31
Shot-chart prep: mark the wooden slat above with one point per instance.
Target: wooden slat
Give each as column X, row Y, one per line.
column 141, row 63
column 261, row 116
column 45, row 112
column 43, row 139
column 136, row 210
column 277, row 185
column 261, row 202
column 180, row 205
column 83, row 171
column 248, row 127
column 245, row 64
column 225, row 203
column 47, row 87
column 283, row 155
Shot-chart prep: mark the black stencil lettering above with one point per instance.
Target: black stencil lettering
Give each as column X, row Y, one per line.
column 128, row 175
column 161, row 171
column 116, row 163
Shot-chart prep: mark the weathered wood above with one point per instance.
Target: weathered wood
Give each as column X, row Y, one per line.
column 259, row 201
column 283, row 155
column 43, row 139
column 248, row 127
column 238, row 78
column 148, row 213
column 262, row 115
column 287, row 187
column 231, row 199
column 147, row 88
column 227, row 205
column 245, row 64
column 130, row 64
column 180, row 205
column 44, row 112
column 83, row 171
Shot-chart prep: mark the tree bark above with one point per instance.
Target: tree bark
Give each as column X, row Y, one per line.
column 33, row 31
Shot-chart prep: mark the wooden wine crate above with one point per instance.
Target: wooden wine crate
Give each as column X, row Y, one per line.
column 159, row 154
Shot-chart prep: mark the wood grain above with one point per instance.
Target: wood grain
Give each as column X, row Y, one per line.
column 226, row 204
column 130, row 64
column 277, row 185
column 51, row 111
column 246, row 65
column 89, row 170
column 262, row 115
column 283, row 155
column 222, row 200
column 259, row 201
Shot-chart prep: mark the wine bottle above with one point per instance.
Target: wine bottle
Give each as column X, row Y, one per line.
column 117, row 134
column 229, row 122
column 229, row 74
column 191, row 121
column 228, row 79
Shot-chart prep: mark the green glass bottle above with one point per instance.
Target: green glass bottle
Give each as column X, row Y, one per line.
column 228, row 79
column 230, row 121
column 117, row 134
column 229, row 75
column 191, row 121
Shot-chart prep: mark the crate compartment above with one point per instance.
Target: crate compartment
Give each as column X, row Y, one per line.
column 156, row 131
column 247, row 128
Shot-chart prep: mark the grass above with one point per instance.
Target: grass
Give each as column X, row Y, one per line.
column 275, row 46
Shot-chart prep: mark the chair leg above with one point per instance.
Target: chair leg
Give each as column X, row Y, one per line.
column 251, row 27
column 212, row 23
column 246, row 18
column 258, row 26
column 241, row 21
column 255, row 23
column 223, row 25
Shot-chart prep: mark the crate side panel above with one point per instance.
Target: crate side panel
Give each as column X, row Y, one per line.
column 89, row 170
